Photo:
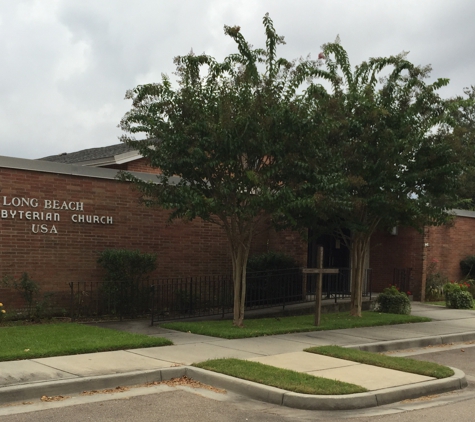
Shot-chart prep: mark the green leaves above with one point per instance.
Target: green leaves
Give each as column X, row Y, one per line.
column 399, row 167
column 258, row 135
column 233, row 134
column 245, row 137
column 123, row 265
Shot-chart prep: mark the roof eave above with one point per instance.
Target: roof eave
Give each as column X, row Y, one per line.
column 116, row 159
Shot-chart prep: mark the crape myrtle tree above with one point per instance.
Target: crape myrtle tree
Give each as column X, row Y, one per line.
column 463, row 132
column 234, row 132
column 399, row 167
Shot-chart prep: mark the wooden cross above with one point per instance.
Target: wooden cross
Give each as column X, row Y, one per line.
column 320, row 271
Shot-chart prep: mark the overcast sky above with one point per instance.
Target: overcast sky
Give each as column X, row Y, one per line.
column 66, row 64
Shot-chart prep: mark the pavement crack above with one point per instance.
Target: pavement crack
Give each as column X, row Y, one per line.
column 56, row 369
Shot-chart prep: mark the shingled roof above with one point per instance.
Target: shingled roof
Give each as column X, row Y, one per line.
column 112, row 154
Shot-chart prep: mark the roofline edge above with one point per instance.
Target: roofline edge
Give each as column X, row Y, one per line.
column 70, row 169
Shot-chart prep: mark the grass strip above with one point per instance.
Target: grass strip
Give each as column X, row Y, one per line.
column 437, row 303
column 391, row 362
column 442, row 303
column 281, row 378
column 36, row 341
column 294, row 324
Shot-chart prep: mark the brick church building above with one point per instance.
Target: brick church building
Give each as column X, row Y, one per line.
column 59, row 212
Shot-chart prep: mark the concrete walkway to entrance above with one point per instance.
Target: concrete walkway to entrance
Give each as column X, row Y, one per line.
column 31, row 379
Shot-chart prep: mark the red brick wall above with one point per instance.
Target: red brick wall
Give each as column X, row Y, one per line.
column 403, row 250
column 290, row 243
column 68, row 251
column 448, row 245
column 441, row 248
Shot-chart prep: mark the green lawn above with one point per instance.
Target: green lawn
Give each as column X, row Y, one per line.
column 42, row 340
column 281, row 378
column 283, row 325
column 428, row 369
column 308, row 384
column 437, row 303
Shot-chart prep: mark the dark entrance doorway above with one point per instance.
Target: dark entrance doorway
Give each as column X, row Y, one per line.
column 335, row 255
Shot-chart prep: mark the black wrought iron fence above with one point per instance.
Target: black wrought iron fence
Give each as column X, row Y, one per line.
column 174, row 298
column 191, row 296
column 274, row 287
column 338, row 285
column 402, row 279
column 109, row 298
column 368, row 282
column 203, row 296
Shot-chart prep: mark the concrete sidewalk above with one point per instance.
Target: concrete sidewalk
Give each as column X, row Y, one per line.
column 29, row 379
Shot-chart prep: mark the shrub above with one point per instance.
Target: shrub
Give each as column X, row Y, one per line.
column 125, row 272
column 457, row 296
column 392, row 301
column 435, row 282
column 272, row 277
column 461, row 300
column 471, row 286
column 467, row 265
column 30, row 292
column 270, row 261
column 125, row 265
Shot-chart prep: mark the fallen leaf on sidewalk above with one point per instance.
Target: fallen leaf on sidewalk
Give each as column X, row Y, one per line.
column 187, row 382
column 424, row 398
column 118, row 389
column 54, row 398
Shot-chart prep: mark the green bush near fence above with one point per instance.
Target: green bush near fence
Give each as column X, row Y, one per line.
column 271, row 278
column 38, row 306
column 126, row 272
column 270, row 261
column 457, row 295
column 392, row 301
column 125, row 265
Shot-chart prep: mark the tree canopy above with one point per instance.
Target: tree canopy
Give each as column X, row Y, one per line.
column 399, row 167
column 256, row 137
column 242, row 135
column 462, row 129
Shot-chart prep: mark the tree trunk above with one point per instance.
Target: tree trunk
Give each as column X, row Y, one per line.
column 240, row 237
column 358, row 251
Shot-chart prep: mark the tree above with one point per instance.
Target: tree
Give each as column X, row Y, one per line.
column 463, row 131
column 399, row 167
column 233, row 132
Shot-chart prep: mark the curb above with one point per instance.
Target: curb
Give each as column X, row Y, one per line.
column 331, row 402
column 385, row 346
column 25, row 392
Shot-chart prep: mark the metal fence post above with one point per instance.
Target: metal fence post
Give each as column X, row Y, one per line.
column 191, row 295
column 286, row 285
column 223, row 296
column 71, row 286
column 121, row 300
column 370, row 282
column 152, row 307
